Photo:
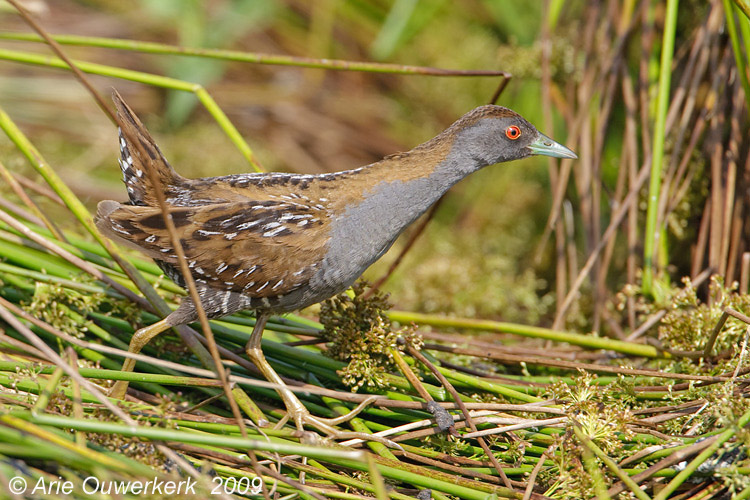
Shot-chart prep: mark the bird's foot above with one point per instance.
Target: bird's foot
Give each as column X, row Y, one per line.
column 302, row 417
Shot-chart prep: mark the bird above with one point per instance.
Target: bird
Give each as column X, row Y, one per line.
column 279, row 242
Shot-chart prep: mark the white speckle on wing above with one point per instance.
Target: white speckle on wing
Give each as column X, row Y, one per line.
column 221, row 267
column 117, row 227
column 261, row 288
column 247, row 225
column 151, row 238
column 228, row 222
column 275, row 231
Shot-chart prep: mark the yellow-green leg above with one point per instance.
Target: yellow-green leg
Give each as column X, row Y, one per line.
column 294, row 407
column 138, row 341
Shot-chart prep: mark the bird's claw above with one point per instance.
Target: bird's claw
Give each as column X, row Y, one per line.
column 303, row 417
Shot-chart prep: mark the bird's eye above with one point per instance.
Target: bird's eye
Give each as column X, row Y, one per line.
column 512, row 132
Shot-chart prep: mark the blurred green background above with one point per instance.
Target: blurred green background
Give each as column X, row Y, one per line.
column 486, row 253
column 473, row 259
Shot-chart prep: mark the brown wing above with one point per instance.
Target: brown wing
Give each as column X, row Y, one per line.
column 259, row 249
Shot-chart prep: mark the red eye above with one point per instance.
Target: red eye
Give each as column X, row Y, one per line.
column 512, row 132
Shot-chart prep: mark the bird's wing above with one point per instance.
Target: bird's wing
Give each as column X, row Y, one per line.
column 257, row 248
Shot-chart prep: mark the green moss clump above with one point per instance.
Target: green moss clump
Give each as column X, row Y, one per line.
column 603, row 416
column 63, row 307
column 689, row 322
column 360, row 332
column 601, row 411
column 67, row 309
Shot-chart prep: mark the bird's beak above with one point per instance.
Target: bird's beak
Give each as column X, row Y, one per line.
column 543, row 145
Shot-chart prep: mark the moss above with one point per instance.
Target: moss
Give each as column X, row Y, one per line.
column 568, row 479
column 734, row 480
column 360, row 332
column 689, row 323
column 601, row 411
column 58, row 306
column 603, row 415
column 67, row 308
column 445, row 443
column 60, row 403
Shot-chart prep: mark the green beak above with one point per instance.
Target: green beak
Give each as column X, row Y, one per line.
column 543, row 145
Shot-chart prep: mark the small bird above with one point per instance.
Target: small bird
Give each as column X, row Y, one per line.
column 279, row 242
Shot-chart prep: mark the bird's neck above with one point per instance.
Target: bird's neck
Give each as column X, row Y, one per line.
column 393, row 193
column 383, row 199
column 409, row 183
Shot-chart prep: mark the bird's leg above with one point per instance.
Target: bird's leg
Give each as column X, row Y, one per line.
column 295, row 409
column 294, row 406
column 137, row 342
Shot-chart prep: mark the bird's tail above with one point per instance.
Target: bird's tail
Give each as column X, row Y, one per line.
column 139, row 154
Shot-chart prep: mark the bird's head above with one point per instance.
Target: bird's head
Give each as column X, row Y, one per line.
column 494, row 134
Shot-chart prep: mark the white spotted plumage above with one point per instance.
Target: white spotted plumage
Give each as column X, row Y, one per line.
column 247, row 225
column 274, row 232
column 225, row 302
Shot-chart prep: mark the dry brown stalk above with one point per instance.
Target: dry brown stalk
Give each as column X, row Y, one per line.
column 464, row 410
